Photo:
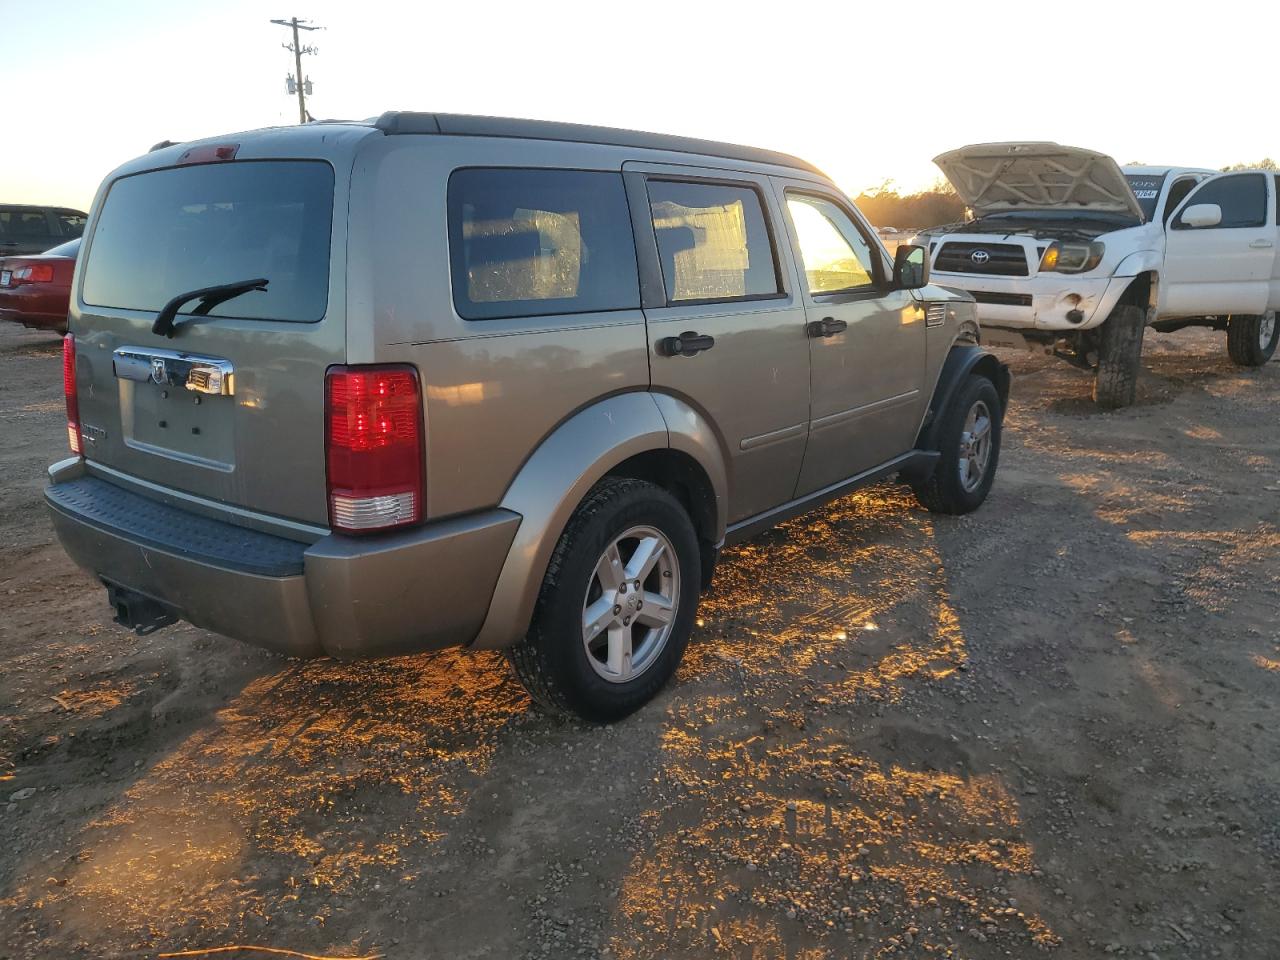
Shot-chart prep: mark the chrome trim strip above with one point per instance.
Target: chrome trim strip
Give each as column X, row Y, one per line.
column 831, row 419
column 773, row 436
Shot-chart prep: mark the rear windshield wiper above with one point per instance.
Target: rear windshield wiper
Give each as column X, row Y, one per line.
column 209, row 298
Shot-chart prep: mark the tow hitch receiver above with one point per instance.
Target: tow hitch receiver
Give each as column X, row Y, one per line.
column 137, row 612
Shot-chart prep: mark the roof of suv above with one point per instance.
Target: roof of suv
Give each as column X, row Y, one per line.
column 395, row 122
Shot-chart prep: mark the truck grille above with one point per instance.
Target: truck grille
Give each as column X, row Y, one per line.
column 1001, row 259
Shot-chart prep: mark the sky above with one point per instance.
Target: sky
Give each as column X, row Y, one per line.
column 867, row 92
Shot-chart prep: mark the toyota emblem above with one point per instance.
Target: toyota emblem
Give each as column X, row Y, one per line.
column 979, row 256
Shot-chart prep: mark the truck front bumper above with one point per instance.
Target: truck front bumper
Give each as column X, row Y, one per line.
column 1053, row 303
column 348, row 597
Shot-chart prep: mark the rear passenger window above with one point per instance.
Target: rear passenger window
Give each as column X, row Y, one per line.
column 20, row 225
column 1242, row 197
column 713, row 241
column 527, row 243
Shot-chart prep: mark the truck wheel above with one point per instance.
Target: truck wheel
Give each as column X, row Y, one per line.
column 616, row 606
column 1251, row 340
column 969, row 444
column 1120, row 357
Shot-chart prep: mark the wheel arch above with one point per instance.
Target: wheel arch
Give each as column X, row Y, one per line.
column 638, row 434
column 683, row 477
column 962, row 360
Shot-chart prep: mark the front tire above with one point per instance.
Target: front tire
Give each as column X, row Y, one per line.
column 969, row 444
column 1251, row 340
column 600, row 647
column 1120, row 357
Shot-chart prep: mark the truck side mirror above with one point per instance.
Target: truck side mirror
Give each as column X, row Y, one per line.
column 1201, row 215
column 910, row 267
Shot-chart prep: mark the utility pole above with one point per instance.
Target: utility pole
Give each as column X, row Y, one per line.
column 298, row 50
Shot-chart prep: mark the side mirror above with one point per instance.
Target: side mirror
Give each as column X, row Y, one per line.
column 1201, row 215
column 910, row 267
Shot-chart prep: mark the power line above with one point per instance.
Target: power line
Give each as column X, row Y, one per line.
column 301, row 86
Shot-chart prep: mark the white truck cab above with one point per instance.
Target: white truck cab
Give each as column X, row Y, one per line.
column 1069, row 252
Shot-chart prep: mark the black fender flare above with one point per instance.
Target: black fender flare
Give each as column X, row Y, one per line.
column 962, row 360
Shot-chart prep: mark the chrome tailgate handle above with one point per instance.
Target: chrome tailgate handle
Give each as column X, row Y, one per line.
column 207, row 375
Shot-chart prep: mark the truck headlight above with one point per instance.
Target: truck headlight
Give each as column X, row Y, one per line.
column 1072, row 257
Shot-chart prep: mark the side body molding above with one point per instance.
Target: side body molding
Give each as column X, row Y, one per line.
column 545, row 492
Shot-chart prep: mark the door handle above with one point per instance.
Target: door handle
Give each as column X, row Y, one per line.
column 1261, row 244
column 826, row 327
column 688, row 344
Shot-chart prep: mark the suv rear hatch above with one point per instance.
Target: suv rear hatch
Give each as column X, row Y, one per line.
column 227, row 415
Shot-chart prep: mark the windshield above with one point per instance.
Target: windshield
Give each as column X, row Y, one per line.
column 1146, row 187
column 184, row 228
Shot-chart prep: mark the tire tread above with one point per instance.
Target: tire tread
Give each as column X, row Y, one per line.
column 532, row 657
column 1120, row 357
column 941, row 491
column 1242, row 342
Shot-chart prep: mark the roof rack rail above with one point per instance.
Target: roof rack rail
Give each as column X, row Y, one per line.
column 401, row 122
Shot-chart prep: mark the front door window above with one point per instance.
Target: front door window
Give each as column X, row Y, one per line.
column 837, row 259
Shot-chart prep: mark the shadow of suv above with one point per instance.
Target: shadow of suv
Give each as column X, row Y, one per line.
column 364, row 389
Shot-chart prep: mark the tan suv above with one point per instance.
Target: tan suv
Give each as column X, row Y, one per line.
column 364, row 389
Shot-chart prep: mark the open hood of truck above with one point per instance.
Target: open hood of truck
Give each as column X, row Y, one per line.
column 996, row 177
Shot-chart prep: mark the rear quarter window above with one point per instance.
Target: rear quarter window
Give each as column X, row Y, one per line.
column 536, row 242
column 170, row 231
column 71, row 222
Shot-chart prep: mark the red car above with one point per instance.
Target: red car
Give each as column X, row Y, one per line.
column 35, row 290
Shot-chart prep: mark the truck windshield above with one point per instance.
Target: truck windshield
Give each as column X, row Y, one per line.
column 1146, row 187
column 187, row 228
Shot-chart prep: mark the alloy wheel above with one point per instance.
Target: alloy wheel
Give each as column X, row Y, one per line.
column 629, row 608
column 975, row 447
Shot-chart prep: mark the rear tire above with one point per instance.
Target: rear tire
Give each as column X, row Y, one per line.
column 970, row 451
column 1120, row 357
column 579, row 658
column 1251, row 340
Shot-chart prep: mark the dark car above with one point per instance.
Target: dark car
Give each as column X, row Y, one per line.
column 35, row 290
column 25, row 229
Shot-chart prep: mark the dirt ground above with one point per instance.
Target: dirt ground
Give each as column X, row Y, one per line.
column 1050, row 726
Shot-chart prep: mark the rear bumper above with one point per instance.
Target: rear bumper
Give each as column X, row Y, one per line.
column 347, row 597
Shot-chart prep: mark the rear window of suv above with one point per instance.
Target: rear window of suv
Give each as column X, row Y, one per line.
column 528, row 243
column 171, row 231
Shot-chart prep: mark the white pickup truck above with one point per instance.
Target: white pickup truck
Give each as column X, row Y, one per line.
column 1069, row 252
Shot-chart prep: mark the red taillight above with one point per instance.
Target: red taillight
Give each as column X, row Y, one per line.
column 373, row 442
column 38, row 273
column 69, row 391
